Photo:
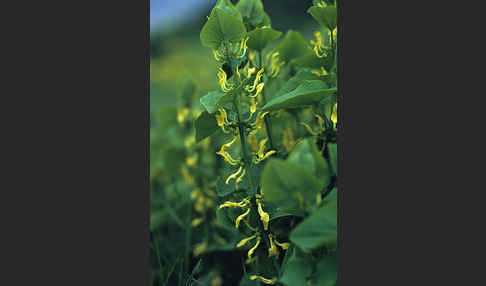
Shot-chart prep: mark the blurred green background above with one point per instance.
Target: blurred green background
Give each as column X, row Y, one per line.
column 175, row 47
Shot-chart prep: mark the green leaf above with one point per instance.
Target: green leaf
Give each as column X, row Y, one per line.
column 310, row 60
column 292, row 46
column 260, row 37
column 210, row 100
column 288, row 185
column 306, row 154
column 205, row 125
column 221, row 26
column 326, row 16
column 252, row 11
column 229, row 8
column 294, row 82
column 326, row 271
column 295, row 273
column 333, row 156
column 308, row 93
column 319, row 229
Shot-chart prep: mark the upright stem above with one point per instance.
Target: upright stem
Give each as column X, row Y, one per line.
column 268, row 124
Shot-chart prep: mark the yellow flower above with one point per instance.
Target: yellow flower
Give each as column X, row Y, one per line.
column 187, row 177
column 288, row 139
column 200, row 248
column 334, row 114
column 182, row 114
column 253, row 142
column 243, row 48
column 260, row 154
column 309, row 129
column 191, row 161
column 284, row 245
column 217, row 281
column 272, row 251
column 240, row 217
column 197, row 221
column 217, row 55
column 225, row 87
column 264, row 217
column 252, row 250
column 255, row 82
column 263, row 279
column 275, row 64
column 240, row 178
column 323, row 72
column 251, row 71
column 234, row 175
column 242, row 204
column 245, row 240
column 189, row 141
column 318, row 46
column 259, row 122
column 227, row 157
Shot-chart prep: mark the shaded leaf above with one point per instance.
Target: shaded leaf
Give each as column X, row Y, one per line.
column 326, row 16
column 308, row 93
column 289, row 185
column 260, row 37
column 319, row 229
column 221, row 26
column 292, row 46
column 251, row 11
column 205, row 125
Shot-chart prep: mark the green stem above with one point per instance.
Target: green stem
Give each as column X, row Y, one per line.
column 268, row 124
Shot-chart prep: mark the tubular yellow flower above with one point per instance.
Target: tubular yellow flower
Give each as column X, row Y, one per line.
column 240, row 178
column 243, row 48
column 259, row 89
column 191, row 161
column 251, row 71
column 197, row 221
column 240, row 217
column 318, row 45
column 227, row 157
column 217, row 281
column 200, row 248
column 275, row 64
column 272, row 251
column 260, row 154
column 182, row 115
column 245, row 240
column 253, row 107
column 283, row 245
column 334, row 114
column 242, row 204
column 264, row 217
column 253, row 142
column 263, row 279
column 234, row 175
column 225, row 87
column 252, row 250
column 255, row 82
column 288, row 139
column 323, row 72
column 251, row 56
column 187, row 177
column 217, row 55
column 228, row 204
column 259, row 122
column 322, row 4
column 309, row 129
